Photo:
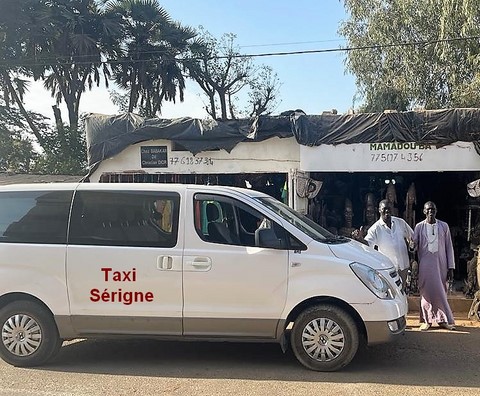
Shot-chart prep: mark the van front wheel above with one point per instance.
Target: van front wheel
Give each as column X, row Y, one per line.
column 324, row 338
column 29, row 336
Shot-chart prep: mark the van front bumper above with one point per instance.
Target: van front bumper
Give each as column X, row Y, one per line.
column 381, row 332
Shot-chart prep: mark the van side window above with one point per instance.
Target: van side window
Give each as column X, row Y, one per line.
column 34, row 216
column 227, row 221
column 128, row 218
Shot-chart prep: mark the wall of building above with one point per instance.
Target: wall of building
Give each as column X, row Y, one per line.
column 389, row 157
column 274, row 155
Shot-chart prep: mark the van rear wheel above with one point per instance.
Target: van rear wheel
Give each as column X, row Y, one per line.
column 29, row 336
column 324, row 338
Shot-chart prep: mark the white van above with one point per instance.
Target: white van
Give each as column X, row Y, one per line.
column 186, row 262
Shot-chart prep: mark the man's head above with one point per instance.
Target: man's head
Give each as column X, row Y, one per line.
column 430, row 212
column 385, row 210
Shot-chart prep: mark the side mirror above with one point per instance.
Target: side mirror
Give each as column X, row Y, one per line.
column 267, row 238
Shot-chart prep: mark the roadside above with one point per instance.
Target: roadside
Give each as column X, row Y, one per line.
column 460, row 307
column 460, row 321
column 458, row 302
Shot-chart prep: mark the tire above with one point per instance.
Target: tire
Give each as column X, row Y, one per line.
column 324, row 338
column 29, row 336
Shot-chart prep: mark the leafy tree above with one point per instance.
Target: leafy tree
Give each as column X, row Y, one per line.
column 222, row 72
column 43, row 39
column 150, row 69
column 17, row 153
column 60, row 154
column 77, row 37
column 264, row 90
column 385, row 99
column 66, row 155
column 61, row 42
column 15, row 23
column 412, row 53
column 66, row 43
column 121, row 100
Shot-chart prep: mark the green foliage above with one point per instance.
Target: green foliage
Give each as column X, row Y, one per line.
column 78, row 36
column 152, row 43
column 264, row 90
column 386, row 99
column 120, row 99
column 16, row 153
column 64, row 153
column 222, row 72
column 16, row 149
column 412, row 53
column 65, row 44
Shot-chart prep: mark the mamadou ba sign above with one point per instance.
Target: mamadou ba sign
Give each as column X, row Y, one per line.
column 389, row 157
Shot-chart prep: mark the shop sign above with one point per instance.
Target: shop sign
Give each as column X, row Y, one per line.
column 154, row 156
column 389, row 157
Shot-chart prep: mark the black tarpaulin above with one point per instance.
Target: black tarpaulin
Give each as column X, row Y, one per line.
column 439, row 127
column 109, row 135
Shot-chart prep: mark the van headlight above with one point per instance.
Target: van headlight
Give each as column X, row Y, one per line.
column 374, row 281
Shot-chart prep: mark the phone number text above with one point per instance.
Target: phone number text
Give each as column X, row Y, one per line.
column 191, row 160
column 393, row 157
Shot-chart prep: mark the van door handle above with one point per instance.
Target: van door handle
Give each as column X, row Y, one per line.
column 198, row 263
column 165, row 262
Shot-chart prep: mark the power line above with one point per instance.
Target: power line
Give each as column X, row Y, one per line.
column 57, row 61
column 291, row 43
column 360, row 48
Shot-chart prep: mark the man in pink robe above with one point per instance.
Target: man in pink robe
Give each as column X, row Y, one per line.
column 436, row 266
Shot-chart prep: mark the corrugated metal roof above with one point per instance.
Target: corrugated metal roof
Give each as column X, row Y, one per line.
column 15, row 178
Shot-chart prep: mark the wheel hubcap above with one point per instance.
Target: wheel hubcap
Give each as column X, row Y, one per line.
column 323, row 339
column 21, row 335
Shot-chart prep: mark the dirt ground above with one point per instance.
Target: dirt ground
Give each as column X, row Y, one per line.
column 460, row 321
column 419, row 363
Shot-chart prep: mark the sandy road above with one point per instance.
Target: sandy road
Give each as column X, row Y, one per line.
column 436, row 362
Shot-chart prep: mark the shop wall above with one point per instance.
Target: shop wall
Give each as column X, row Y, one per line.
column 274, row 155
column 388, row 157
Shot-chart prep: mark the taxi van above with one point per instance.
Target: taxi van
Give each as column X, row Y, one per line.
column 185, row 262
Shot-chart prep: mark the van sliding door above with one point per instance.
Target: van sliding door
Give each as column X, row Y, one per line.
column 124, row 263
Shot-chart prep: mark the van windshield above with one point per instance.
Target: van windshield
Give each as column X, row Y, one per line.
column 302, row 222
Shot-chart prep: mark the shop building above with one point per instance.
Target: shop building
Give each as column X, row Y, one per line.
column 331, row 167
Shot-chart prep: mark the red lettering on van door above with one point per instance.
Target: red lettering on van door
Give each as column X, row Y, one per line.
column 106, row 271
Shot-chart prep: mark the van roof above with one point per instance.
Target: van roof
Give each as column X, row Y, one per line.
column 129, row 187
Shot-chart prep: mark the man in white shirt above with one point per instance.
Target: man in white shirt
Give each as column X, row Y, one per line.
column 391, row 235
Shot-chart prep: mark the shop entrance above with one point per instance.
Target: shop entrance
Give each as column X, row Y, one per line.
column 343, row 203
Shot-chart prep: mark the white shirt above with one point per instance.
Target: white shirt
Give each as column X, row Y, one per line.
column 391, row 241
column 432, row 237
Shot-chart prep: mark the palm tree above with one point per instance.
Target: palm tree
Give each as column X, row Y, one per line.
column 15, row 21
column 150, row 69
column 77, row 37
column 63, row 43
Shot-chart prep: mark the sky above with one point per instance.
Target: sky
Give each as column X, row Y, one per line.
column 311, row 82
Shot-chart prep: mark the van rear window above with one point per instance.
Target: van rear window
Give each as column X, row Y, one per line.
column 125, row 218
column 34, row 216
